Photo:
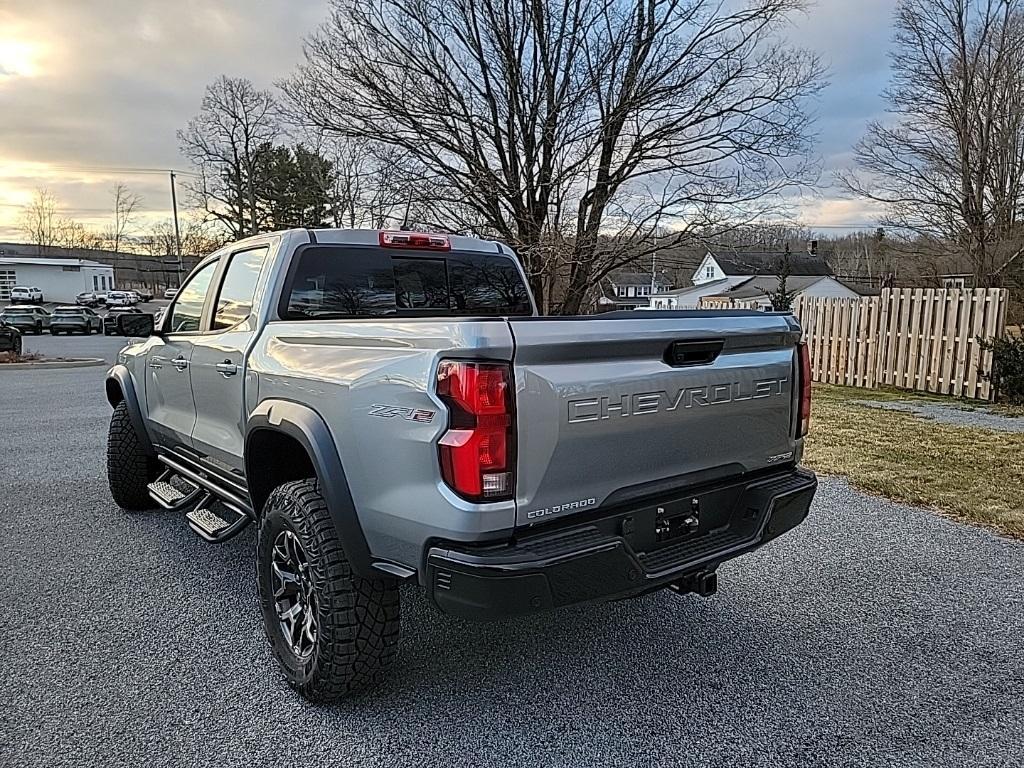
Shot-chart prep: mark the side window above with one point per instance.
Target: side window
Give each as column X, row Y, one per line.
column 187, row 310
column 234, row 303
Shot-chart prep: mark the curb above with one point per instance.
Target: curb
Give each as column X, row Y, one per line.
column 86, row 362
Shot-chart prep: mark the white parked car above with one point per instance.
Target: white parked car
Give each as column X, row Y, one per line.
column 30, row 294
column 170, row 293
column 119, row 299
column 135, row 296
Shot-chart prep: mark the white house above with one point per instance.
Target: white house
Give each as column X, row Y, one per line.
column 631, row 290
column 59, row 279
column 751, row 276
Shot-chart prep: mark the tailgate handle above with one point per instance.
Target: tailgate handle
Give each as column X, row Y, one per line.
column 683, row 353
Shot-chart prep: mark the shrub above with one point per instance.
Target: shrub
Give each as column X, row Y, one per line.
column 1007, row 374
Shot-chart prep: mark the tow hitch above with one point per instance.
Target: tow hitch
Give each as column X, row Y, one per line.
column 704, row 584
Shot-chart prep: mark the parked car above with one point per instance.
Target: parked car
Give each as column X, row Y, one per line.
column 75, row 320
column 101, row 297
column 29, row 294
column 110, row 319
column 27, row 319
column 10, row 338
column 119, row 299
column 88, row 299
column 134, row 296
column 144, row 294
column 170, row 293
column 388, row 408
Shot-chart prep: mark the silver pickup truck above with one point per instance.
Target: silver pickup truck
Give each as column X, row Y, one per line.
column 387, row 407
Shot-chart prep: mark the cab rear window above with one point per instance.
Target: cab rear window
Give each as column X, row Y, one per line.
column 330, row 281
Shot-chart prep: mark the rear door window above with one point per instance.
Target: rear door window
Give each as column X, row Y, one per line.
column 359, row 281
column 237, row 289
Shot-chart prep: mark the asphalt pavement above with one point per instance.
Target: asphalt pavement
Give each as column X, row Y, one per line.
column 873, row 635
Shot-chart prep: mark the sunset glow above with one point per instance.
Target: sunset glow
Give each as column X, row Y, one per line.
column 19, row 58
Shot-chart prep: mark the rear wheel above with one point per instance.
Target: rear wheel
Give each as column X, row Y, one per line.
column 129, row 469
column 17, row 345
column 333, row 633
column 39, row 328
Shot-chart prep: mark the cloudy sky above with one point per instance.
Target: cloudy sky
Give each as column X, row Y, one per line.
column 92, row 91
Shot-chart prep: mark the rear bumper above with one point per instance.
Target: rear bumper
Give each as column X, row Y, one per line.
column 615, row 556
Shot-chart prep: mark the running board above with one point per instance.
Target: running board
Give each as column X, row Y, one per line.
column 215, row 521
column 170, row 496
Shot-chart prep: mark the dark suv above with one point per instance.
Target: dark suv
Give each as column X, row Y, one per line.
column 10, row 338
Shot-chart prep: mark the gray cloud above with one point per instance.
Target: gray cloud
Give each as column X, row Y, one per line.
column 117, row 78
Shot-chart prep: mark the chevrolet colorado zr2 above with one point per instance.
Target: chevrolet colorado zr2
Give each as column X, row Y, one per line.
column 388, row 407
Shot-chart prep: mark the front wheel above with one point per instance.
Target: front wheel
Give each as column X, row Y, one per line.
column 333, row 632
column 129, row 468
column 39, row 329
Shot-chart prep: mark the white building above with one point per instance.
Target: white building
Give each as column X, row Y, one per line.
column 60, row 280
column 751, row 277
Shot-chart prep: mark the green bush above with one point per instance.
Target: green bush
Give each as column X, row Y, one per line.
column 1007, row 368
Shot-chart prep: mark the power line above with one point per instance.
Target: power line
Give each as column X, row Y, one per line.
column 119, row 169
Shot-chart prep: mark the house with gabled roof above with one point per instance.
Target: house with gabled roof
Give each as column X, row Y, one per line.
column 752, row 276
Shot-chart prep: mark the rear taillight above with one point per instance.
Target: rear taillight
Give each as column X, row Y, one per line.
column 803, row 413
column 478, row 450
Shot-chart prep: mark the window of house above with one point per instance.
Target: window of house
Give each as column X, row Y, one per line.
column 709, row 271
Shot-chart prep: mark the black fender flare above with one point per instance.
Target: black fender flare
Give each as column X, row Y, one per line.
column 309, row 428
column 120, row 387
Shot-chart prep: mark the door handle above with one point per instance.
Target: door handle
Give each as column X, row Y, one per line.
column 227, row 368
column 180, row 363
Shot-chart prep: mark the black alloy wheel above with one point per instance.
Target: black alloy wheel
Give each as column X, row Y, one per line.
column 294, row 595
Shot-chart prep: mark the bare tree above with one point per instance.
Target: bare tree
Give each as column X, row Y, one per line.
column 39, row 219
column 236, row 124
column 126, row 204
column 950, row 167
column 69, row 233
column 571, row 128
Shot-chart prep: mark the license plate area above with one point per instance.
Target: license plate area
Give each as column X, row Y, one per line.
column 688, row 517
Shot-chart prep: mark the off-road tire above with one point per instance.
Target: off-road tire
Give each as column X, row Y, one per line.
column 358, row 619
column 129, row 469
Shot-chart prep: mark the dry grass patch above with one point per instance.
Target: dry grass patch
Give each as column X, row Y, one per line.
column 25, row 357
column 976, row 475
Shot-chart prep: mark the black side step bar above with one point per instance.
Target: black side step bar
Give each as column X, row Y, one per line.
column 172, row 497
column 217, row 521
column 215, row 488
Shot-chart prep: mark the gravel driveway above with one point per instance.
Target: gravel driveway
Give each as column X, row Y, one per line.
column 874, row 635
column 979, row 417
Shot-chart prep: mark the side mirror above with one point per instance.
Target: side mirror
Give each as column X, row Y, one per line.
column 135, row 325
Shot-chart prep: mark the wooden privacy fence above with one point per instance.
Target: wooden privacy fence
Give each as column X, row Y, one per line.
column 914, row 338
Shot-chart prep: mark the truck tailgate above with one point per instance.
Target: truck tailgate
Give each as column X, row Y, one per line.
column 616, row 408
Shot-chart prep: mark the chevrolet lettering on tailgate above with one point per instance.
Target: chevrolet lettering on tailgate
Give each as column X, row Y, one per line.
column 597, row 408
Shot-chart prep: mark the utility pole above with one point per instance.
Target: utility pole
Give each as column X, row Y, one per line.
column 177, row 231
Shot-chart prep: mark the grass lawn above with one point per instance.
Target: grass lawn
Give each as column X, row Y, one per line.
column 976, row 475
